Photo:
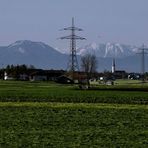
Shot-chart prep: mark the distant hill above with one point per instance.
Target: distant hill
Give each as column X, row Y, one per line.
column 33, row 53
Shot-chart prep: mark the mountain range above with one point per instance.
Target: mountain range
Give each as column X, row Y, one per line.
column 44, row 56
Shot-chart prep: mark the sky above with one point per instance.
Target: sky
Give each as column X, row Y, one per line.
column 122, row 21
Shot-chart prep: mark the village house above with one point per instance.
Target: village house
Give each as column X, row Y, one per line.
column 45, row 75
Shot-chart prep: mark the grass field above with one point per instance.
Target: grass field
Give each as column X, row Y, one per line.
column 73, row 125
column 45, row 114
column 51, row 92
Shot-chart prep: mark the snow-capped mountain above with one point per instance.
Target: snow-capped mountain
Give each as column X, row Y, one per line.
column 108, row 50
column 125, row 56
column 43, row 56
column 32, row 53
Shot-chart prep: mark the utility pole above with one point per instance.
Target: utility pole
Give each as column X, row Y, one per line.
column 73, row 63
column 142, row 49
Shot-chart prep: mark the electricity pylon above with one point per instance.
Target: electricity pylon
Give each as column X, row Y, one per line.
column 143, row 48
column 73, row 63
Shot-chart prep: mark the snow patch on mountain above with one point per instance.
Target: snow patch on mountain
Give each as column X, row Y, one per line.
column 94, row 46
column 21, row 50
column 17, row 43
column 61, row 50
column 113, row 49
column 20, row 43
column 108, row 50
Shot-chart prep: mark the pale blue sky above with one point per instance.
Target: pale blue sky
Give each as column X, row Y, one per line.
column 123, row 21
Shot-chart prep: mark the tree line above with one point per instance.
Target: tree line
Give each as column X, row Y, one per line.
column 88, row 65
column 16, row 70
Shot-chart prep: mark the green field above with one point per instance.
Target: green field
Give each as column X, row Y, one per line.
column 50, row 92
column 73, row 125
column 45, row 114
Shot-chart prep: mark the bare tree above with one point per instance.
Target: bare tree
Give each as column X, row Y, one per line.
column 89, row 65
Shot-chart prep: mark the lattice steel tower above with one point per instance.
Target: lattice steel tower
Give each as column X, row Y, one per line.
column 73, row 63
column 143, row 52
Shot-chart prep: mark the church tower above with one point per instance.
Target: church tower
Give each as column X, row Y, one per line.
column 113, row 66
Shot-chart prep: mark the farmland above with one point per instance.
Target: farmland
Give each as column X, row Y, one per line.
column 45, row 114
column 50, row 92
